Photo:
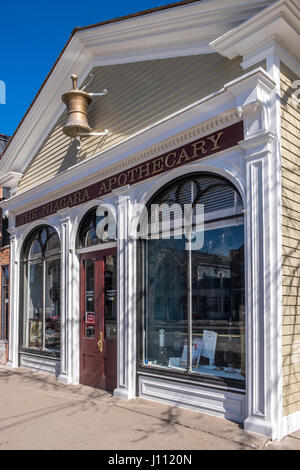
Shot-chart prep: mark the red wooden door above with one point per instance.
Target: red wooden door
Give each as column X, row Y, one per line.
column 98, row 345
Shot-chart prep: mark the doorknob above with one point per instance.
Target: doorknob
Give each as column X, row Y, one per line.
column 100, row 342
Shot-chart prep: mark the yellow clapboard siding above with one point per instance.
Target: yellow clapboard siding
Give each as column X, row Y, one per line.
column 290, row 110
column 292, row 281
column 289, row 330
column 290, row 340
column 289, row 409
column 289, row 117
column 139, row 95
column 290, row 210
column 289, row 181
column 291, row 320
column 290, row 359
column 291, row 138
column 290, row 271
column 291, row 244
column 293, row 310
column 288, row 193
column 288, row 146
column 293, row 223
column 291, row 301
column 291, row 392
column 291, row 291
column 291, row 369
column 291, row 129
column 290, row 379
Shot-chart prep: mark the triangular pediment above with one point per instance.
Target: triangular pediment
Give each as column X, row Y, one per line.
column 140, row 95
column 153, row 64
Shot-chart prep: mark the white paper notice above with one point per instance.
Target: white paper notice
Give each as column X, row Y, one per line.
column 197, row 346
column 209, row 343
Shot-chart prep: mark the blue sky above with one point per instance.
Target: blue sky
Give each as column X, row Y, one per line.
column 32, row 35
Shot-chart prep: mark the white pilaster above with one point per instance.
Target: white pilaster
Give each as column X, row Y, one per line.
column 263, row 256
column 14, row 268
column 66, row 313
column 126, row 387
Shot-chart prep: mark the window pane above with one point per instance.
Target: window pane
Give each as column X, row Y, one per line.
column 52, row 245
column 90, row 314
column 5, row 304
column 33, row 305
column 87, row 235
column 206, row 284
column 218, row 303
column 35, row 250
column 110, row 298
column 41, row 309
column 166, row 304
column 52, row 305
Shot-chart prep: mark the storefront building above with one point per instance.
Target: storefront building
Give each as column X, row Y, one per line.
column 201, row 108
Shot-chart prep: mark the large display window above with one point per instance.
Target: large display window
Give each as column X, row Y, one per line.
column 193, row 295
column 41, row 294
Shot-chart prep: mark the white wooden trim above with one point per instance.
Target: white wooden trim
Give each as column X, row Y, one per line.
column 221, row 403
column 90, row 249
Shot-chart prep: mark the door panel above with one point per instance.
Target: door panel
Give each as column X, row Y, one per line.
column 98, row 358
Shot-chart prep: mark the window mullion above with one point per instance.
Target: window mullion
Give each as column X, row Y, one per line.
column 44, row 304
column 190, row 312
column 190, row 294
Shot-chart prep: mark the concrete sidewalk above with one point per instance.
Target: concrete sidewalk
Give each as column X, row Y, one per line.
column 38, row 412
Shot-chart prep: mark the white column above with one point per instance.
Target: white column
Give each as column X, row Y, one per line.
column 126, row 387
column 263, row 277
column 261, row 149
column 14, row 298
column 259, row 288
column 66, row 313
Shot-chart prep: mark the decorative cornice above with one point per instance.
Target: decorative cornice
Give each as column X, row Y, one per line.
column 280, row 20
column 11, row 180
column 261, row 139
column 271, row 47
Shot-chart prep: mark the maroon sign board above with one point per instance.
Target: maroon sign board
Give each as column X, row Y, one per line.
column 208, row 145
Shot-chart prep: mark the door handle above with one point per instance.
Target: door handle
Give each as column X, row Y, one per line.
column 100, row 342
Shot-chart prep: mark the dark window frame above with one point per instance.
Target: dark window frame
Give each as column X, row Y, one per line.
column 4, row 312
column 161, row 372
column 36, row 234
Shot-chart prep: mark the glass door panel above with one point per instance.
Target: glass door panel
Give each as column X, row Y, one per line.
column 89, row 292
column 110, row 298
column 52, row 305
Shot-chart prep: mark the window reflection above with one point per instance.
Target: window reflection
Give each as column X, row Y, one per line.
column 194, row 299
column 166, row 301
column 110, row 297
column 218, row 300
column 87, row 235
column 41, row 299
column 52, row 305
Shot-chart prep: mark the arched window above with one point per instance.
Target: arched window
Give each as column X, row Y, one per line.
column 87, row 233
column 41, row 295
column 194, row 293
